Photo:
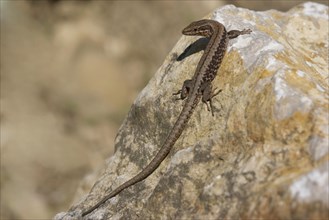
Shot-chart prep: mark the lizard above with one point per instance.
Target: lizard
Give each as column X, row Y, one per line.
column 199, row 87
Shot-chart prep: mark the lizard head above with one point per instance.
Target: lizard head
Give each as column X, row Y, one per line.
column 200, row 28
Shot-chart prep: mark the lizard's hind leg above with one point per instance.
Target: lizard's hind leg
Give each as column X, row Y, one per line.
column 207, row 94
column 185, row 90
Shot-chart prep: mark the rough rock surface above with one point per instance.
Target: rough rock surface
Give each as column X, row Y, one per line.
column 265, row 152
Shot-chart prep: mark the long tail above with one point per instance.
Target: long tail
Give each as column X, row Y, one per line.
column 176, row 131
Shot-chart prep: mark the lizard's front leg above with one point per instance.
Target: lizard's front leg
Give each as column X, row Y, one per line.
column 208, row 94
column 235, row 33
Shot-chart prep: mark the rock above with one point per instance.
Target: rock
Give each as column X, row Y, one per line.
column 265, row 152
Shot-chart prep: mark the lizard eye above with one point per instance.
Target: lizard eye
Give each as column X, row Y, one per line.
column 195, row 29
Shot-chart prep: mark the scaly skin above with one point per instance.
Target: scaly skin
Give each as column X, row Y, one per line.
column 199, row 87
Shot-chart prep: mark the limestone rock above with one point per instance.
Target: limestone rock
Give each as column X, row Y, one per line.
column 265, row 152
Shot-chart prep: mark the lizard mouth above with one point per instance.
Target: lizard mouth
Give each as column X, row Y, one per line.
column 189, row 32
column 198, row 28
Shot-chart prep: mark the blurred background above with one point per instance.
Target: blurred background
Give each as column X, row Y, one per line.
column 69, row 72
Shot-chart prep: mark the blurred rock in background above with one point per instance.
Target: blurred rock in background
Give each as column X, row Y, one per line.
column 69, row 73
